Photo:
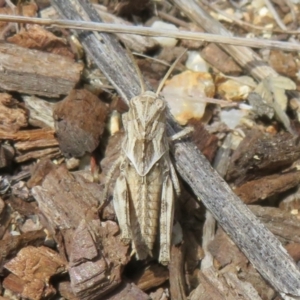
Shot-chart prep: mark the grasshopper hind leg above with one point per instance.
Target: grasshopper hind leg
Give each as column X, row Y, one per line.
column 166, row 219
column 121, row 205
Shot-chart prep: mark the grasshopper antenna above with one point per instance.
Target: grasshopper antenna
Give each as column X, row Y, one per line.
column 162, row 83
column 142, row 83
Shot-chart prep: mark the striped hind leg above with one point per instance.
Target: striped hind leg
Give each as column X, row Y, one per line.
column 166, row 220
column 121, row 205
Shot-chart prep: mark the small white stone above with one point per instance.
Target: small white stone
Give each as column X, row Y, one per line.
column 232, row 117
column 195, row 62
column 263, row 12
column 165, row 41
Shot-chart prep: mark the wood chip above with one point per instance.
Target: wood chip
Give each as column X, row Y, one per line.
column 13, row 244
column 79, row 122
column 152, row 276
column 12, row 115
column 34, row 266
column 262, row 154
column 36, row 37
column 207, row 143
column 90, row 273
column 177, row 278
column 41, row 111
column 47, row 74
column 218, row 58
column 267, row 186
column 128, row 291
column 281, row 223
column 58, row 190
column 7, row 153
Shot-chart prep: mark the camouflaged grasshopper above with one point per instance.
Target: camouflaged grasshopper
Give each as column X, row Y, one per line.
column 145, row 190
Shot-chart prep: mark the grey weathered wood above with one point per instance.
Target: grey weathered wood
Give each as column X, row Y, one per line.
column 35, row 72
column 259, row 245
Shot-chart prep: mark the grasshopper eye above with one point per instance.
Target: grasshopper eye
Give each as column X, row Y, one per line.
column 160, row 103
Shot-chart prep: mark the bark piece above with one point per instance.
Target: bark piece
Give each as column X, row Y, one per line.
column 233, row 260
column 284, row 63
column 193, row 258
column 5, row 220
column 94, row 273
column 262, row 154
column 294, row 251
column 39, row 172
column 44, row 153
column 34, row 266
column 212, row 287
column 12, row 244
column 28, row 135
column 14, row 284
column 7, row 154
column 216, row 57
column 128, row 291
column 36, row 37
column 41, row 143
column 30, row 225
column 281, row 223
column 33, row 144
column 28, row 10
column 47, row 74
column 83, row 246
column 267, row 186
column 64, row 199
column 41, row 111
column 64, row 288
column 206, row 142
column 21, row 192
column 68, row 202
column 2, row 205
column 177, row 278
column 224, row 286
column 159, row 294
column 232, row 255
column 79, row 122
column 12, row 115
column 22, row 207
column 153, row 276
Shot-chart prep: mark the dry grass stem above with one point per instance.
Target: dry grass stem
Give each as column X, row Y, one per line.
column 117, row 28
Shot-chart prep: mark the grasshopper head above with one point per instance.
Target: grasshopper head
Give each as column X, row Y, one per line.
column 147, row 108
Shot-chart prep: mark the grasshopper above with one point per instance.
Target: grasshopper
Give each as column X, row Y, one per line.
column 145, row 190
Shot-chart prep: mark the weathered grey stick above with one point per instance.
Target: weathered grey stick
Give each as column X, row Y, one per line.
column 147, row 31
column 260, row 246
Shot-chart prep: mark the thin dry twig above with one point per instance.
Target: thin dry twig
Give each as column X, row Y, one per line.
column 248, row 25
column 275, row 15
column 117, row 28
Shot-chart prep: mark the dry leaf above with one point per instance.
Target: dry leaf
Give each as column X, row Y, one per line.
column 272, row 89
